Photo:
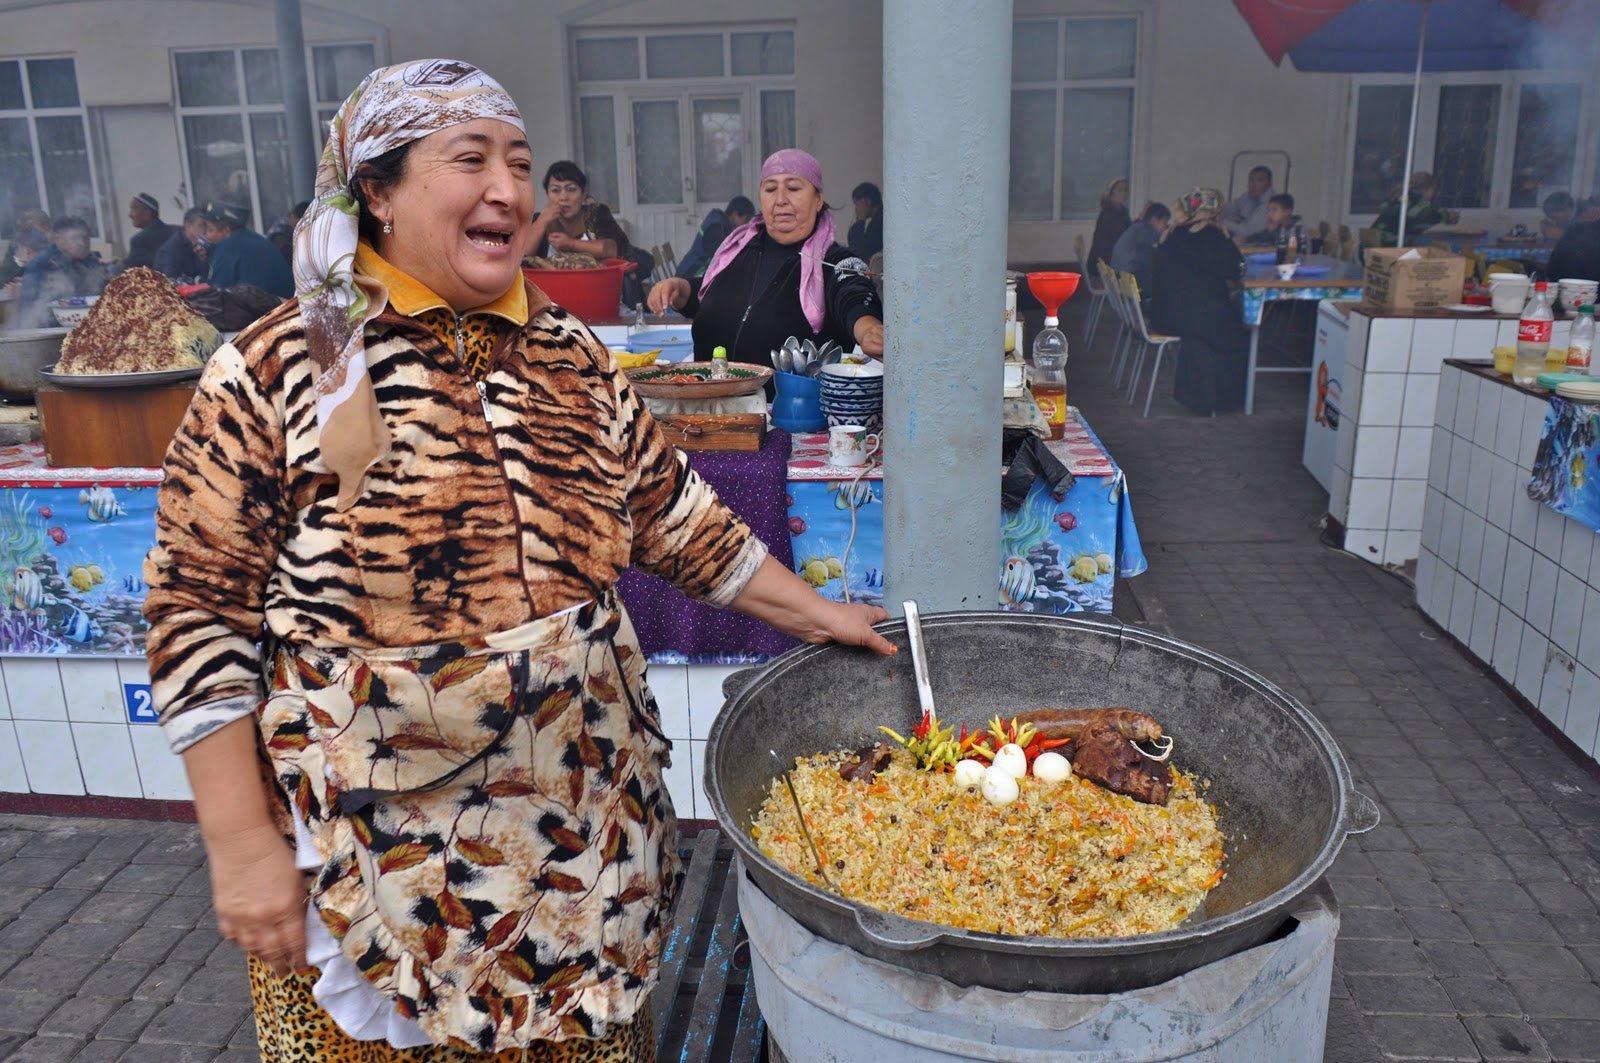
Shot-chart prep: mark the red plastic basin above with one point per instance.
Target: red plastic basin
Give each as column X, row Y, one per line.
column 592, row 294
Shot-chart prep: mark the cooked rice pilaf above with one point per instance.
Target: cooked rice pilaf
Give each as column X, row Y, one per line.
column 1066, row 859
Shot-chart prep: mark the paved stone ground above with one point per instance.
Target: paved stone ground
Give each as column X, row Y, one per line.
column 1470, row 926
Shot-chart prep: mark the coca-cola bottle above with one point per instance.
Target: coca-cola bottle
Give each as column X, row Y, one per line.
column 1533, row 336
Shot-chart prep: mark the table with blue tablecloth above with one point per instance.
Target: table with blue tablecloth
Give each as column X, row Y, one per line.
column 1059, row 555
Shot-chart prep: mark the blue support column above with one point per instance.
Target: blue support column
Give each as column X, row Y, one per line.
column 946, row 151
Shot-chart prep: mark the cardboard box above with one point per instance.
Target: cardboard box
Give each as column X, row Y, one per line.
column 1412, row 278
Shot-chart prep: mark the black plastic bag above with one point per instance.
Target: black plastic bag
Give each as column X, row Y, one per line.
column 1032, row 461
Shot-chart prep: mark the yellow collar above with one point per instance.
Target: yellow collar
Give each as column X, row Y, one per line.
column 411, row 297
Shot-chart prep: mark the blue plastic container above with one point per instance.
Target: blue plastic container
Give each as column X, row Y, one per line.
column 798, row 404
column 675, row 344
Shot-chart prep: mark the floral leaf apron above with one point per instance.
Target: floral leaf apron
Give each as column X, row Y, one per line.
column 500, row 850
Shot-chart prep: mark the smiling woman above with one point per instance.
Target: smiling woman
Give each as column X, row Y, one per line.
column 424, row 480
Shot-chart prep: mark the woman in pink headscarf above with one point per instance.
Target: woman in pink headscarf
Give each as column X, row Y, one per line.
column 778, row 275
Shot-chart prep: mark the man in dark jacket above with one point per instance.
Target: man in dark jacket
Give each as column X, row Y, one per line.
column 1578, row 252
column 713, row 230
column 243, row 256
column 69, row 268
column 145, row 213
column 180, row 258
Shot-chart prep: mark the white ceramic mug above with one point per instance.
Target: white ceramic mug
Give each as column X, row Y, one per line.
column 851, row 445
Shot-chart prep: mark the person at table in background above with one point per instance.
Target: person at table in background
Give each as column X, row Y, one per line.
column 437, row 515
column 574, row 223
column 29, row 244
column 1112, row 222
column 32, row 236
column 1248, row 213
column 1280, row 216
column 281, row 232
column 1577, row 253
column 67, row 268
column 1559, row 208
column 185, row 257
column 145, row 214
column 1420, row 215
column 240, row 255
column 1587, row 210
column 1135, row 250
column 1197, row 268
column 865, row 237
column 780, row 274
column 714, row 229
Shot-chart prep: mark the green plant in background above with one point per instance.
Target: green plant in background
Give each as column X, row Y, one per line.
column 23, row 539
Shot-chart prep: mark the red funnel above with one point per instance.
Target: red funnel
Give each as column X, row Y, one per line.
column 1053, row 289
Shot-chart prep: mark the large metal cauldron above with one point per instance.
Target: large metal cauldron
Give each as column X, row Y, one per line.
column 22, row 354
column 1281, row 786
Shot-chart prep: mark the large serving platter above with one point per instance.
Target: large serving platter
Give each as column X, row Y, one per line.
column 118, row 380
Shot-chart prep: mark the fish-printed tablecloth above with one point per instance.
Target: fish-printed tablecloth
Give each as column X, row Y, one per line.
column 72, row 546
column 1058, row 555
column 1564, row 469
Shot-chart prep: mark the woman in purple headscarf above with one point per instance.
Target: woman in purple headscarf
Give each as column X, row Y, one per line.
column 780, row 274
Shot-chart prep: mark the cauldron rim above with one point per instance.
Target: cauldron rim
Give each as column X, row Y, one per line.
column 1249, row 925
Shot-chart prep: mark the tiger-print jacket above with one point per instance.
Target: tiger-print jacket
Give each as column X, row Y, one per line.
column 460, row 531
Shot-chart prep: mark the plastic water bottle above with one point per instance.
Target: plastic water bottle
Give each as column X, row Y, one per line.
column 1533, row 336
column 639, row 323
column 719, row 363
column 1580, row 348
column 1050, row 375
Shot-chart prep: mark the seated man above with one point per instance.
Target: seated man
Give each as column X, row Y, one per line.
column 1559, row 207
column 68, row 268
column 145, row 213
column 183, row 257
column 242, row 256
column 713, row 230
column 32, row 236
column 1578, row 252
column 1248, row 213
column 1135, row 250
column 1280, row 216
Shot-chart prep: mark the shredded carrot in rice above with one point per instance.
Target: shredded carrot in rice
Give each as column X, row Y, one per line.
column 1066, row 860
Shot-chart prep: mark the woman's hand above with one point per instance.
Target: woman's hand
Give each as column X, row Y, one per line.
column 787, row 602
column 260, row 897
column 561, row 241
column 869, row 334
column 669, row 294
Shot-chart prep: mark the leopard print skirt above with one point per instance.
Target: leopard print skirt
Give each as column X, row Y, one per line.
column 291, row 1027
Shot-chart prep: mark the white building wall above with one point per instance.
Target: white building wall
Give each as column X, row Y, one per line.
column 1205, row 87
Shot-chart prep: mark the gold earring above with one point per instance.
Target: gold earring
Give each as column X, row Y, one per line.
column 388, row 227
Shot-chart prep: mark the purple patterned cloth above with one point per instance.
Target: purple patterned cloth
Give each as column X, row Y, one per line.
column 755, row 486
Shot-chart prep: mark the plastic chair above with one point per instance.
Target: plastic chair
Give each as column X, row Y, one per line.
column 1507, row 265
column 1148, row 339
column 1098, row 293
column 669, row 261
column 1124, row 340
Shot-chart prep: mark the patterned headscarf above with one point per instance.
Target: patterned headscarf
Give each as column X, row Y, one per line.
column 1199, row 208
column 801, row 164
column 391, row 107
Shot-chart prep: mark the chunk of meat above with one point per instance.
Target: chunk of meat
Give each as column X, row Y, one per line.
column 869, row 761
column 1106, row 756
column 1132, row 724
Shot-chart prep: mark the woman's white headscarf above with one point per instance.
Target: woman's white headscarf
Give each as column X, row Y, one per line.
column 390, row 108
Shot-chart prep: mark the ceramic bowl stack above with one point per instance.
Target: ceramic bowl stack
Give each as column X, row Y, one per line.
column 853, row 394
column 1576, row 292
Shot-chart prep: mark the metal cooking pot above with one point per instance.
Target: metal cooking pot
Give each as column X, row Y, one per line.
column 1283, row 792
column 22, row 354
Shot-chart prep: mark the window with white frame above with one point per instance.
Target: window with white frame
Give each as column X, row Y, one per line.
column 44, row 143
column 671, row 123
column 231, row 119
column 1073, row 86
column 1493, row 140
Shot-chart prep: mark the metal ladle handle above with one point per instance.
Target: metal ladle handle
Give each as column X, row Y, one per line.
column 919, row 657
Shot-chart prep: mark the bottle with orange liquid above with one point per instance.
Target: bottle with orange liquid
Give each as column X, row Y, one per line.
column 1050, row 375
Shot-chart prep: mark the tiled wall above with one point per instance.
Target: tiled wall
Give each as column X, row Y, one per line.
column 1388, row 396
column 1514, row 580
column 64, row 730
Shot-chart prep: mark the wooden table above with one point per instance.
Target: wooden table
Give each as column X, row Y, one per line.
column 111, row 427
column 1262, row 286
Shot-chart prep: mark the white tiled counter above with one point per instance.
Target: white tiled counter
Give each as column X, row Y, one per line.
column 66, row 732
column 1385, row 397
column 1514, row 581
